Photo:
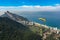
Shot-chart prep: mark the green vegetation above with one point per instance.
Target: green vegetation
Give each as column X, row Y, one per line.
column 12, row 30
column 43, row 19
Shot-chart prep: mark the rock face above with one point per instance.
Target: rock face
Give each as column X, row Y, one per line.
column 14, row 17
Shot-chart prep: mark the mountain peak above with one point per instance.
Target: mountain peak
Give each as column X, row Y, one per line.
column 14, row 16
column 7, row 12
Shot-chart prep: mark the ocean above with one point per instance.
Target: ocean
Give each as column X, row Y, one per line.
column 52, row 18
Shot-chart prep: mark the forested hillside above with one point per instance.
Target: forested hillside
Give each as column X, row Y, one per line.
column 12, row 30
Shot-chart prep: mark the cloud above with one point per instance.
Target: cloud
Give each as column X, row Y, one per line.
column 56, row 7
column 57, row 4
column 31, row 8
column 41, row 8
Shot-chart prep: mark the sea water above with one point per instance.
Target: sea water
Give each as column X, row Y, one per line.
column 52, row 18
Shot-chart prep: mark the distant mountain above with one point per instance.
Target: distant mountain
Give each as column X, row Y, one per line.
column 12, row 30
column 14, row 16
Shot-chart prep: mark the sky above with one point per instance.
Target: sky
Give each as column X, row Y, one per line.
column 28, row 2
column 29, row 5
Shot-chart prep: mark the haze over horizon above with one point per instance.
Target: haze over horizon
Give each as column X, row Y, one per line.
column 29, row 5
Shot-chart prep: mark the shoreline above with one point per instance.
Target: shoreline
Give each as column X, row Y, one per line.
column 54, row 28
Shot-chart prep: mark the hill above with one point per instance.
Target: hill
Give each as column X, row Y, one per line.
column 14, row 16
column 12, row 30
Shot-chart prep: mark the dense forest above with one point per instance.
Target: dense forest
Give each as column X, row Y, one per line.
column 12, row 30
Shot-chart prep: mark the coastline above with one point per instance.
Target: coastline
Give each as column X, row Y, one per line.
column 49, row 27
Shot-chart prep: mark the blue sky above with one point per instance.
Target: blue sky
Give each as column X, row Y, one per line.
column 29, row 5
column 28, row 2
